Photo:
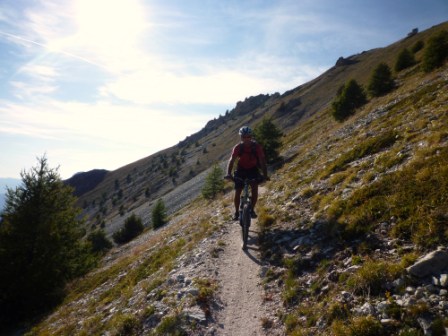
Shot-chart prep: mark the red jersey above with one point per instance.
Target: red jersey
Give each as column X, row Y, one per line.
column 249, row 155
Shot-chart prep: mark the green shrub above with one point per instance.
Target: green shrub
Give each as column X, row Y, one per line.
column 99, row 241
column 405, row 59
column 207, row 289
column 381, row 81
column 132, row 228
column 159, row 217
column 436, row 51
column 350, row 97
column 418, row 46
column 214, row 183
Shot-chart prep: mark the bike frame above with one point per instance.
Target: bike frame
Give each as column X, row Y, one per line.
column 245, row 210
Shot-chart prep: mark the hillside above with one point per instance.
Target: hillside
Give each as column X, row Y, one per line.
column 342, row 223
column 123, row 190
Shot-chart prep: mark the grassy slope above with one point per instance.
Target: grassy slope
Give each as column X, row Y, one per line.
column 381, row 176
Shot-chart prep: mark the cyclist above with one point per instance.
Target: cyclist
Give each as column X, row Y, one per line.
column 251, row 160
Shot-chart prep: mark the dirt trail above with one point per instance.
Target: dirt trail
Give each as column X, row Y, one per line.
column 241, row 292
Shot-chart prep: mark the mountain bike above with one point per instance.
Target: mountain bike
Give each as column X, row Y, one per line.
column 245, row 209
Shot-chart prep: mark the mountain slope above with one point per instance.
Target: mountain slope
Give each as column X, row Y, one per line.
column 353, row 205
column 150, row 178
column 357, row 204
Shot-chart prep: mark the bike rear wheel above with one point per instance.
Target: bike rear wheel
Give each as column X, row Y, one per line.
column 245, row 224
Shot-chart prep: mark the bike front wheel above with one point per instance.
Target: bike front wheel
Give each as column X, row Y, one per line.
column 245, row 224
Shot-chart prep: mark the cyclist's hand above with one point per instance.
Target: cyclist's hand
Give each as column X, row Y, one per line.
column 228, row 177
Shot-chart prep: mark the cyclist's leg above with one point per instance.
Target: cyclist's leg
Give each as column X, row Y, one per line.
column 254, row 174
column 237, row 199
column 254, row 199
column 238, row 189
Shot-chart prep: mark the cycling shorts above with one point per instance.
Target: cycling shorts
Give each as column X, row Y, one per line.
column 252, row 173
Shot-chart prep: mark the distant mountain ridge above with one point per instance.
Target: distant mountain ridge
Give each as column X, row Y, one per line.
column 85, row 181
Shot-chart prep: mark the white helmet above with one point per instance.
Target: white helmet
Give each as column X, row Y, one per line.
column 245, row 130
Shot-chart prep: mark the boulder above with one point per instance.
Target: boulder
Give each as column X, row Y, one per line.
column 432, row 264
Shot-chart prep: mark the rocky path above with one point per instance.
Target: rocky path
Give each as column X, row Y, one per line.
column 240, row 291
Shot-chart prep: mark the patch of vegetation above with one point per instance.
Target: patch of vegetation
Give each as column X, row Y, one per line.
column 436, row 52
column 350, row 97
column 417, row 46
column 358, row 326
column 41, row 246
column 337, row 311
column 100, row 243
column 265, row 219
column 171, row 325
column 268, row 135
column 404, row 60
column 373, row 276
column 158, row 214
column 381, row 81
column 368, row 147
column 132, row 228
column 125, row 324
column 207, row 289
column 415, row 196
column 214, row 183
column 389, row 159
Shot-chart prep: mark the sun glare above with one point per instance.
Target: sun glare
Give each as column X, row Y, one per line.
column 109, row 23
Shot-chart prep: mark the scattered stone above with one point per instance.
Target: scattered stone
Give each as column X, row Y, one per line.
column 410, row 290
column 431, row 264
column 196, row 314
column 444, row 280
column 387, row 322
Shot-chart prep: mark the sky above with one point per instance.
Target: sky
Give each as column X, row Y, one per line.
column 98, row 84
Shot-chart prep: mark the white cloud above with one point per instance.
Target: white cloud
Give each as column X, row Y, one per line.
column 101, row 121
column 218, row 87
column 81, row 136
column 24, row 90
column 41, row 72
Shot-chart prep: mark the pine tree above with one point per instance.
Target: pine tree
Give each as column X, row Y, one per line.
column 159, row 217
column 381, row 81
column 436, row 52
column 214, row 183
column 349, row 97
column 268, row 135
column 405, row 59
column 40, row 244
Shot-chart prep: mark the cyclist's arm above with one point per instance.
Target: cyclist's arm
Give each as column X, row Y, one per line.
column 231, row 162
